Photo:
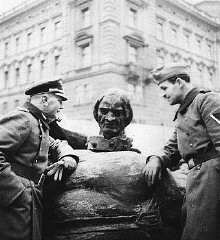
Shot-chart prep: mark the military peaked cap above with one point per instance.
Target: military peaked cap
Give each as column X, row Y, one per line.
column 53, row 86
column 167, row 72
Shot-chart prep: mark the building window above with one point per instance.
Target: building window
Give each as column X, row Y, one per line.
column 42, row 34
column 200, row 76
column 160, row 61
column 17, row 44
column 56, row 64
column 86, row 17
column 132, row 17
column 210, row 50
column 83, row 94
column 88, row 92
column 136, row 93
column 199, row 44
column 16, row 103
column 29, row 72
column 29, row 40
column 86, row 55
column 187, row 41
column 6, row 49
column 160, row 31
column 132, row 54
column 79, row 98
column 42, row 68
column 83, row 50
column 4, row 107
column 6, row 79
column 57, row 29
column 210, row 80
column 174, row 35
column 17, row 75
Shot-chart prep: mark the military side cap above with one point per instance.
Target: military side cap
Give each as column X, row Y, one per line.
column 167, row 72
column 53, row 86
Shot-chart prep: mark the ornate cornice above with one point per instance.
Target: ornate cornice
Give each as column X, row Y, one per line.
column 83, row 38
column 135, row 40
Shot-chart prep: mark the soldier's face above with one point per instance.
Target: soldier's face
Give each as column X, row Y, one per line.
column 172, row 92
column 111, row 116
column 52, row 106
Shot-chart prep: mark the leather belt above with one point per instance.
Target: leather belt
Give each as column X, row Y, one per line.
column 201, row 158
column 26, row 172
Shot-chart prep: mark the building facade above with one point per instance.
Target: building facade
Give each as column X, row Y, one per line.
column 99, row 44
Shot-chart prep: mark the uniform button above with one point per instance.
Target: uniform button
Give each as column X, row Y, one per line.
column 36, row 160
column 40, row 136
column 191, row 145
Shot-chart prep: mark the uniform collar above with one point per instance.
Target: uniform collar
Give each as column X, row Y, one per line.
column 187, row 101
column 37, row 113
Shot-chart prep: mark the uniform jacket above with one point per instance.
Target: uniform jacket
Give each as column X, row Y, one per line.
column 197, row 136
column 24, row 140
column 196, row 132
column 25, row 145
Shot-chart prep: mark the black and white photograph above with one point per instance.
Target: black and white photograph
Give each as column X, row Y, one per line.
column 109, row 120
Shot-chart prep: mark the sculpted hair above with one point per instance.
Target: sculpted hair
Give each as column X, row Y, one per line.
column 125, row 103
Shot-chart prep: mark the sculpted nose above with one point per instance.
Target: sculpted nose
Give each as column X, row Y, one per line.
column 110, row 116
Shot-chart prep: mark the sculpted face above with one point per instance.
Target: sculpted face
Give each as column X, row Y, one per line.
column 111, row 116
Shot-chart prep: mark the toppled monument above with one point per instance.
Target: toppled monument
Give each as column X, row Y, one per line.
column 107, row 196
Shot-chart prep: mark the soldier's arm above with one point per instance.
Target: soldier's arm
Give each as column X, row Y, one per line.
column 14, row 130
column 209, row 108
column 171, row 155
column 75, row 140
column 155, row 163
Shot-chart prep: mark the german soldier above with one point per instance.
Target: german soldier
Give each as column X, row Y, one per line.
column 24, row 148
column 196, row 139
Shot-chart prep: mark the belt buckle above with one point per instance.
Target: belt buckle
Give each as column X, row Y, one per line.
column 191, row 163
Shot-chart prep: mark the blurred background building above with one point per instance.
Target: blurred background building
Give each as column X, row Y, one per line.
column 99, row 44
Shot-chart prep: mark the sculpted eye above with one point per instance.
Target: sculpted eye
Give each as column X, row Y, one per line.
column 118, row 113
column 103, row 110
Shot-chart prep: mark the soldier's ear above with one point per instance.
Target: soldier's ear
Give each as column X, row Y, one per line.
column 45, row 100
column 180, row 81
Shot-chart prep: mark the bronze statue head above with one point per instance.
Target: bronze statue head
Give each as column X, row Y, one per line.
column 113, row 113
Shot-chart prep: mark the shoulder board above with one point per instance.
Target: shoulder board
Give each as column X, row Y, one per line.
column 23, row 109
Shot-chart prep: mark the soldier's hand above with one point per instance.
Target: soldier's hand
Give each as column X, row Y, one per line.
column 153, row 170
column 56, row 169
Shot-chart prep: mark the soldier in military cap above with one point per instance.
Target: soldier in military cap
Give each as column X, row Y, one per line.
column 24, row 148
column 196, row 139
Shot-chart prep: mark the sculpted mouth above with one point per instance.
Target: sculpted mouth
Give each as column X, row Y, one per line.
column 109, row 125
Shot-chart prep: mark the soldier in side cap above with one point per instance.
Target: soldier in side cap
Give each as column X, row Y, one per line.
column 196, row 139
column 24, row 148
